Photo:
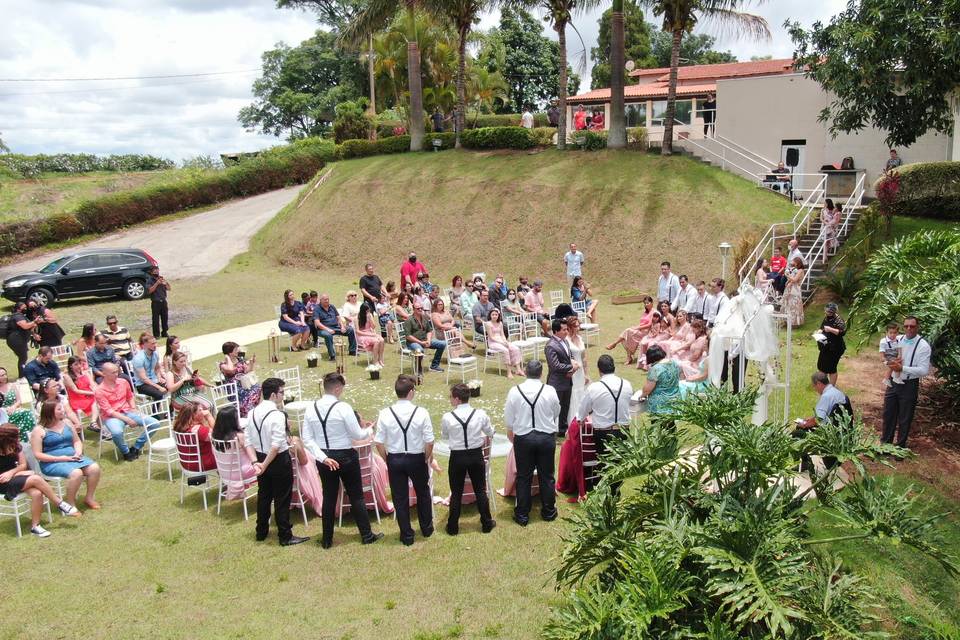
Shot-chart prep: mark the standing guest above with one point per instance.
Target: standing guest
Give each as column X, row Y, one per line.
column 101, row 354
column 687, row 294
column 118, row 411
column 467, row 431
column 631, row 336
column 80, row 389
column 233, row 368
column 553, row 114
column 663, row 381
column 573, row 260
column 49, row 331
column 312, row 301
column 900, row 400
column 526, row 118
column 157, row 287
column 668, row 285
column 437, row 119
column 404, row 436
column 368, row 335
column 171, row 349
column 607, row 403
column 41, row 368
column 148, row 376
column 293, row 322
column 497, row 343
column 561, row 367
column 184, row 385
column 419, row 334
column 392, row 291
column 267, row 440
column 371, row 286
column 481, row 311
column 697, row 307
column 893, row 162
column 410, row 269
column 708, row 111
column 792, row 301
column 596, row 124
column 118, row 338
column 761, row 279
column 828, row 224
column 717, row 301
column 18, row 335
column 793, row 251
column 16, row 477
column 533, row 302
column 10, row 402
column 329, row 430
column 197, row 419
column 834, row 328
column 59, row 451
column 532, row 413
column 580, row 119
column 580, row 292
column 778, row 268
column 329, row 323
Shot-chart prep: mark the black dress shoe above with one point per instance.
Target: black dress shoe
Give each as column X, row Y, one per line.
column 407, row 541
column 427, row 533
column 129, row 457
column 325, row 543
column 521, row 521
column 294, row 540
column 549, row 517
column 373, row 538
column 134, row 453
column 261, row 538
column 487, row 528
column 452, row 531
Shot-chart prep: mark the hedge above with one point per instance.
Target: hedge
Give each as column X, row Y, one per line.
column 928, row 189
column 32, row 166
column 497, row 138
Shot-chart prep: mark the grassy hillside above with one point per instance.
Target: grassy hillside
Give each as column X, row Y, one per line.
column 467, row 211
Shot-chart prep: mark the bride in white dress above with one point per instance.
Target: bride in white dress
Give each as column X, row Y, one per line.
column 578, row 353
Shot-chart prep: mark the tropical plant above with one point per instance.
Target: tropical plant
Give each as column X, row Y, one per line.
column 918, row 275
column 617, row 134
column 713, row 541
column 680, row 17
column 636, row 43
column 352, row 123
column 486, row 88
column 842, row 284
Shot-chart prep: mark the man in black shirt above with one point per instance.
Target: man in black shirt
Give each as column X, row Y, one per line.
column 437, row 118
column 708, row 111
column 157, row 287
column 371, row 286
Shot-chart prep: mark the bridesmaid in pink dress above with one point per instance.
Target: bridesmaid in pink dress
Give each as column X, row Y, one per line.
column 226, row 427
column 510, row 479
column 690, row 360
column 658, row 333
column 497, row 343
column 683, row 338
column 368, row 335
column 308, row 474
column 631, row 337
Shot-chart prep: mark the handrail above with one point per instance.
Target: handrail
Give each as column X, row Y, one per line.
column 764, row 167
column 723, row 159
column 733, row 144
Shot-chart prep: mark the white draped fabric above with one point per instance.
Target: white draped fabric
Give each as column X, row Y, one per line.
column 744, row 325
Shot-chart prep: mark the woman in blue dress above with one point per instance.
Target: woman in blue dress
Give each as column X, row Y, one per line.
column 59, row 451
column 663, row 381
column 292, row 321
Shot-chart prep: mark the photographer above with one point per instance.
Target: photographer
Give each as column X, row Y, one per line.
column 157, row 287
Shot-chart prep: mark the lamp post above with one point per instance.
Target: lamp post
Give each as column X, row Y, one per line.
column 724, row 254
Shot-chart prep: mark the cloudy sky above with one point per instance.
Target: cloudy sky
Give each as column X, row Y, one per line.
column 185, row 116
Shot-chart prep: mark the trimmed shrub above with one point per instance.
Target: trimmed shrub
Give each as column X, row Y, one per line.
column 32, row 166
column 925, row 189
column 590, row 140
column 637, row 137
column 448, row 140
column 497, row 138
column 503, row 120
column 543, row 136
column 351, row 121
column 364, row 148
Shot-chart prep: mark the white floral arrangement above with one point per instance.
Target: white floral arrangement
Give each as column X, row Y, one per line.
column 475, row 384
column 374, row 367
column 313, row 355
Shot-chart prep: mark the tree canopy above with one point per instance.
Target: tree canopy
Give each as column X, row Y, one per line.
column 890, row 64
column 694, row 49
column 636, row 42
column 333, row 13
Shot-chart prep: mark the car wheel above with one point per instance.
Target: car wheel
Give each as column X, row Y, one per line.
column 134, row 289
column 41, row 295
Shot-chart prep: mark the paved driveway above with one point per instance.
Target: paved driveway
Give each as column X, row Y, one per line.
column 198, row 245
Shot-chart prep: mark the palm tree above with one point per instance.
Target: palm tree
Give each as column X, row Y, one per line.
column 485, row 87
column 679, row 17
column 617, row 135
column 463, row 14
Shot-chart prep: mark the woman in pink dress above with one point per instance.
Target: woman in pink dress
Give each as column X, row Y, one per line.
column 667, row 317
column 690, row 361
column 497, row 343
column 510, row 479
column 683, row 337
column 308, row 476
column 368, row 335
column 658, row 333
column 226, row 427
column 630, row 338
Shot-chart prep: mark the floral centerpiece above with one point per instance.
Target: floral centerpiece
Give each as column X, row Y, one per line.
column 374, row 371
column 475, row 386
column 312, row 359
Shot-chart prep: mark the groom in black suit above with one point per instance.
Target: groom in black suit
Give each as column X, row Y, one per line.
column 561, row 367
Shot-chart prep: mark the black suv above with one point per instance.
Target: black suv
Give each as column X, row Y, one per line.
column 93, row 272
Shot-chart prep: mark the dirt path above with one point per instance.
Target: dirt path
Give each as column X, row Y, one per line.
column 198, row 245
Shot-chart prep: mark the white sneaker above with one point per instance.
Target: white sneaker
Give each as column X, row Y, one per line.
column 39, row 531
column 68, row 509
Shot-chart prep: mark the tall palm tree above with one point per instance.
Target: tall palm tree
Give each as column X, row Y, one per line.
column 485, row 87
column 679, row 17
column 376, row 16
column 463, row 14
column 617, row 135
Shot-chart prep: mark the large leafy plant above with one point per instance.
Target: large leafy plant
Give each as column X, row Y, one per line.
column 711, row 541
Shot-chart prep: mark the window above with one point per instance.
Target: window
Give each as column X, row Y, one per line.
column 85, row 262
column 636, row 113
column 680, row 116
column 121, row 260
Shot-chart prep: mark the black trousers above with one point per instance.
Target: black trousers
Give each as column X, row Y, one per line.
column 732, row 363
column 564, row 397
column 535, row 450
column 899, row 403
column 350, row 475
column 20, row 345
column 465, row 462
column 159, row 318
column 275, row 486
column 403, row 468
column 151, row 392
column 601, row 438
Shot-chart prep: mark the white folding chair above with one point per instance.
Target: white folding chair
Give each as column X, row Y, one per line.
column 297, row 501
column 402, row 349
column 188, row 453
column 230, row 471
column 18, row 507
column 590, row 331
column 588, row 453
column 528, row 349
column 289, row 337
column 556, row 299
column 130, row 434
column 369, row 480
column 531, row 333
column 462, row 361
column 225, row 394
column 61, row 354
column 161, row 447
column 291, row 382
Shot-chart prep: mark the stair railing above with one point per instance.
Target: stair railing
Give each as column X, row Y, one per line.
column 759, row 159
column 722, row 157
column 853, row 202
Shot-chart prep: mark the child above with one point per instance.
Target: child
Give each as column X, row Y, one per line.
column 890, row 348
column 386, row 322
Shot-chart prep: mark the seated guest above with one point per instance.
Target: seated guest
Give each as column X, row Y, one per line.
column 497, row 343
column 580, row 291
column 698, row 383
column 522, row 287
column 443, row 322
column 172, row 348
column 424, row 281
column 329, row 323
column 368, row 335
column 118, row 338
column 233, row 368
column 86, row 341
column 456, row 290
column 511, row 307
column 41, row 368
column 80, row 389
column 392, row 292
column 197, row 419
column 227, row 428
column 630, row 338
column 778, row 269
column 185, row 384
column 148, row 376
column 481, row 311
column 16, row 478
column 118, row 411
column 52, row 391
column 498, row 291
column 682, row 339
column 420, row 298
column 351, row 308
column 420, row 336
column 656, row 334
column 663, row 381
column 666, row 317
column 432, row 297
column 58, row 449
column 533, row 302
column 10, row 402
column 293, row 321
column 468, row 299
column 689, row 359
column 101, row 354
column 403, row 307
column 383, row 309
column 782, row 176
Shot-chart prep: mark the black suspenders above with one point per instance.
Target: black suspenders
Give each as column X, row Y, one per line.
column 323, row 421
column 533, row 405
column 616, row 401
column 402, row 427
column 260, row 428
column 464, row 423
column 914, row 354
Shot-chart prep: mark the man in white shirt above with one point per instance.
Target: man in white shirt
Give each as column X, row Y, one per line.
column 795, row 252
column 668, row 285
column 330, row 427
column 573, row 260
column 526, row 118
column 405, row 439
column 900, row 399
column 267, row 441
column 532, row 412
column 467, row 431
column 697, row 306
column 686, row 296
column 607, row 403
column 716, row 301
